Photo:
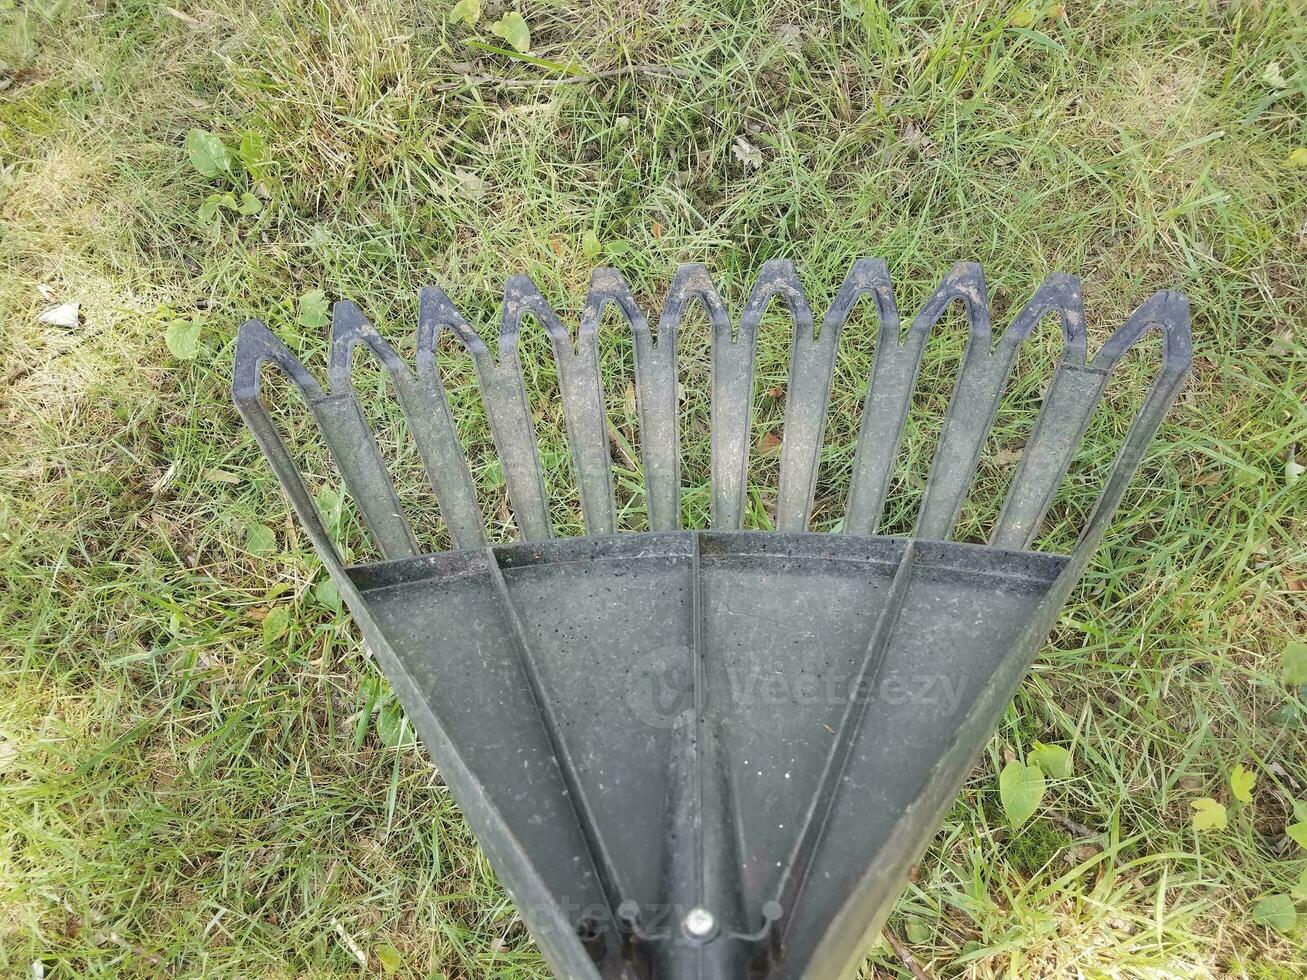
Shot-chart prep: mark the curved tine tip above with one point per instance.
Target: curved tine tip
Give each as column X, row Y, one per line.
column 520, row 286
column 605, row 279
column 693, row 277
column 520, row 295
column 349, row 328
column 249, row 331
column 1175, row 305
column 968, row 278
column 868, row 273
column 1065, row 281
column 1064, row 291
column 347, row 319
column 779, row 276
column 608, row 286
column 964, row 281
column 436, row 312
column 965, row 269
column 255, row 343
column 1166, row 309
column 778, row 267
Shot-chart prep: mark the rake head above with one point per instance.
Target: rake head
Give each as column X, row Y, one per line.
column 710, row 753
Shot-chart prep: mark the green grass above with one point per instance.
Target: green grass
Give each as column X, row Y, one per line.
column 179, row 797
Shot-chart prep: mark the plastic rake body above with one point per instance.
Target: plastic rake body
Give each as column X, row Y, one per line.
column 710, row 753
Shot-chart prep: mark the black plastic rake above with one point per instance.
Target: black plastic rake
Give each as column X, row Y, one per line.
column 710, row 753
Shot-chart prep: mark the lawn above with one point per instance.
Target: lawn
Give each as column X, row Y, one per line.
column 198, row 768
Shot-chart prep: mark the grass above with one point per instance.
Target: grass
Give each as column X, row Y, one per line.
column 179, row 796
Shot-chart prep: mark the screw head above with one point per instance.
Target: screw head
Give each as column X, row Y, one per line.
column 699, row 923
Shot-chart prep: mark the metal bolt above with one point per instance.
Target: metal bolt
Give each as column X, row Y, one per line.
column 699, row 923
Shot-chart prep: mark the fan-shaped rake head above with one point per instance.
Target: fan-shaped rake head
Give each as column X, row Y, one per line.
column 710, row 753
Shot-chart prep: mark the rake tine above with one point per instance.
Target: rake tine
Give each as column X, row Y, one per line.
column 656, row 402
column 504, row 395
column 1167, row 312
column 976, row 396
column 256, row 345
column 582, row 400
column 1068, row 406
column 732, row 386
column 812, row 368
column 426, row 408
column 893, row 378
column 348, row 438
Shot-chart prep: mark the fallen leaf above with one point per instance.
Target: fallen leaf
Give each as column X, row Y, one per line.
column 1208, row 814
column 916, row 138
column 468, row 11
column 186, row 19
column 657, row 230
column 1276, row 912
column 746, row 153
column 512, row 28
column 165, row 479
column 260, row 539
column 770, row 443
column 1273, row 76
column 276, row 623
column 387, row 955
column 326, row 594
column 1293, row 662
column 183, row 339
column 917, row 930
column 1081, row 853
column 313, row 309
column 1241, row 784
column 1298, row 158
column 1052, row 759
column 64, row 315
column 469, row 184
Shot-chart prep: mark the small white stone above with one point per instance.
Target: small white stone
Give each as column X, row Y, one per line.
column 64, row 315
